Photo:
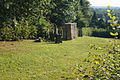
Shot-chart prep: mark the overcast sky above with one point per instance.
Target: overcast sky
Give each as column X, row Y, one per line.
column 105, row 2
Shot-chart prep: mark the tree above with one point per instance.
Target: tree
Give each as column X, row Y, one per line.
column 102, row 23
column 43, row 14
column 94, row 20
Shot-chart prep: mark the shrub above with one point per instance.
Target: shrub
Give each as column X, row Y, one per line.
column 18, row 33
column 101, row 33
column 87, row 31
column 6, row 33
column 104, row 66
column 33, row 32
column 98, row 32
column 43, row 28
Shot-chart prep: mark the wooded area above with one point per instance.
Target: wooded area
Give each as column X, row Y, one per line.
column 30, row 19
column 22, row 19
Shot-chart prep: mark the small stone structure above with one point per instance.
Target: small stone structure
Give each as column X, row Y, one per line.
column 70, row 31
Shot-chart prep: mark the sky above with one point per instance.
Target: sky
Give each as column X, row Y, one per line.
column 115, row 3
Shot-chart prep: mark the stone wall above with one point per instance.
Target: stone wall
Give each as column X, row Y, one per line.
column 70, row 31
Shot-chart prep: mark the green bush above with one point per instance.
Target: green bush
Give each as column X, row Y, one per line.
column 6, row 33
column 43, row 28
column 25, row 32
column 98, row 32
column 103, row 66
column 18, row 33
column 33, row 32
column 87, row 31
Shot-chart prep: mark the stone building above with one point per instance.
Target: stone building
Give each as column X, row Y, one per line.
column 70, row 31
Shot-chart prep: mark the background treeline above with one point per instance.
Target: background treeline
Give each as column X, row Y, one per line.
column 102, row 13
column 30, row 19
column 99, row 25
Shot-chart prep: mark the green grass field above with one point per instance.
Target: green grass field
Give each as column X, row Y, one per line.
column 28, row 60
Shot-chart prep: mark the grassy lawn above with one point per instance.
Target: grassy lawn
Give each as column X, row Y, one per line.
column 28, row 60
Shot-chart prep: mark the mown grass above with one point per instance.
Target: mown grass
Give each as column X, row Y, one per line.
column 28, row 60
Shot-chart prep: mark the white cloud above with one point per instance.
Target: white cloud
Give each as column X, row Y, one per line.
column 105, row 2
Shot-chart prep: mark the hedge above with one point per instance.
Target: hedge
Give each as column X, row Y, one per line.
column 98, row 32
column 17, row 33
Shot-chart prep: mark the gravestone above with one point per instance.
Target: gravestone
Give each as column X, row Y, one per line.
column 70, row 31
